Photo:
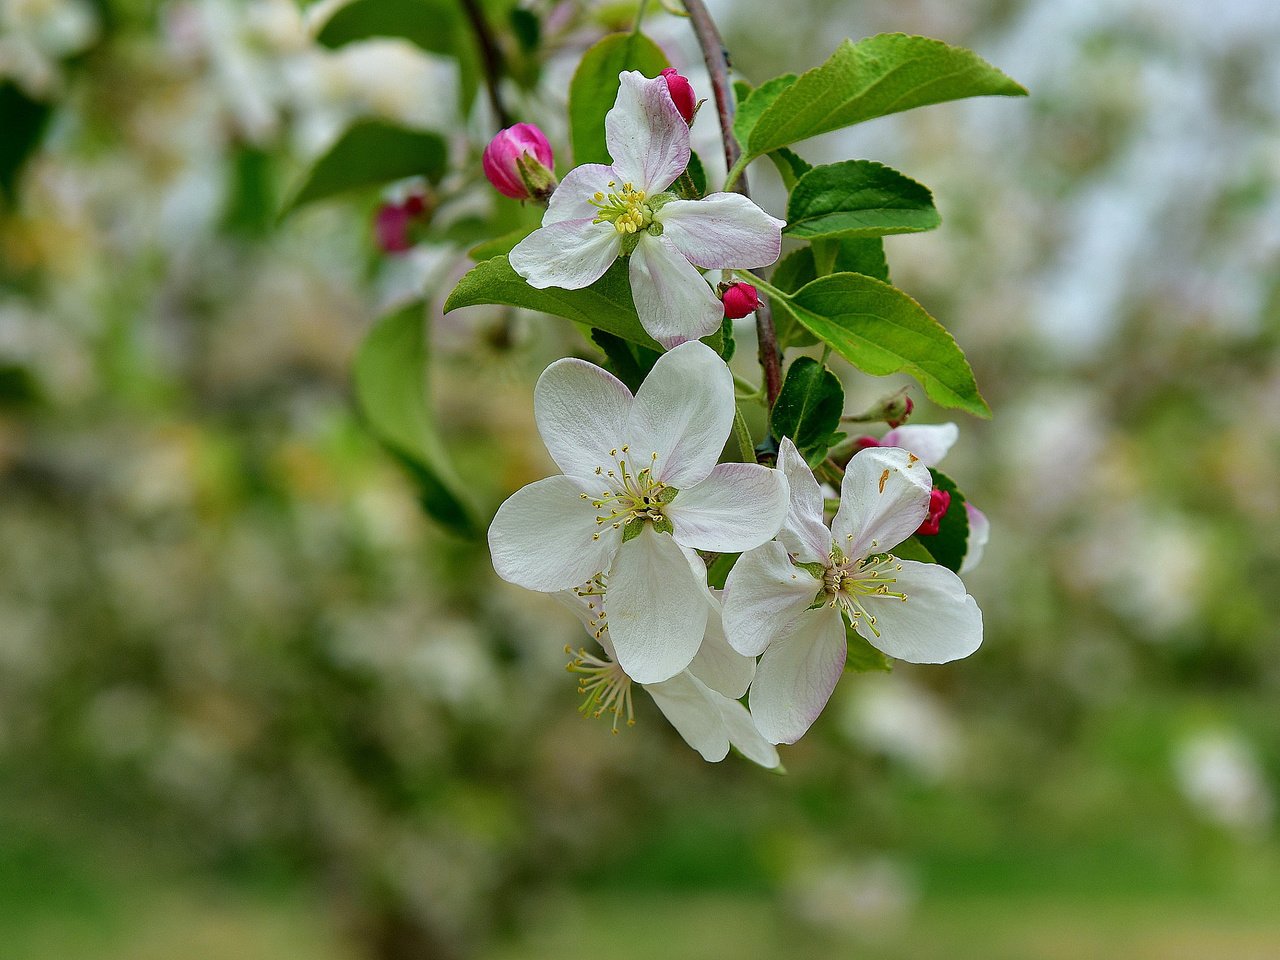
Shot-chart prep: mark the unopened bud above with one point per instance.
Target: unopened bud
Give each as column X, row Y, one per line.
column 897, row 410
column 939, row 501
column 518, row 163
column 681, row 93
column 739, row 299
column 394, row 224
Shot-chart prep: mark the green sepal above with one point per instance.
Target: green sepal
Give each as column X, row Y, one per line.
column 667, row 495
column 816, row 570
column 664, row 525
column 631, row 529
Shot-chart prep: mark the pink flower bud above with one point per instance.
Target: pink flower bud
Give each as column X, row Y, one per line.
column 681, row 93
column 504, row 154
column 897, row 417
column 394, row 222
column 939, row 501
column 865, row 443
column 739, row 299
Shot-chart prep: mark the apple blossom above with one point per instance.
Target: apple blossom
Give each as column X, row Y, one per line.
column 640, row 483
column 701, row 701
column 931, row 442
column 789, row 599
column 601, row 212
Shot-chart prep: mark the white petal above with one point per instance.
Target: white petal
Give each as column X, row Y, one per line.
column 744, row 734
column 979, row 533
column 656, row 608
column 683, row 412
column 692, row 709
column 722, row 231
column 572, row 199
column 937, row 623
column 796, row 676
column 544, row 537
column 883, row 500
column 804, row 533
column 646, row 136
column 763, row 597
column 672, row 299
column 928, row 441
column 571, row 254
column 739, row 506
column 581, row 411
column 718, row 665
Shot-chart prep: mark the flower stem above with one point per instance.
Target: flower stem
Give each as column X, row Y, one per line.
column 491, row 59
column 716, row 58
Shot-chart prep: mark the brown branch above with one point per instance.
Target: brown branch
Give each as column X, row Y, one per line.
column 491, row 60
column 716, row 58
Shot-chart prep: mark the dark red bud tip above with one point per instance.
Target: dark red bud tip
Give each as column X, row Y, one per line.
column 681, row 93
column 939, row 501
column 740, row 299
column 864, row 443
column 394, row 223
column 899, row 419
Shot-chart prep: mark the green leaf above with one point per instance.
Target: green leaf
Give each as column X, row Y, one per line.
column 527, row 28
column 368, row 154
column 23, row 122
column 913, row 548
column 790, row 166
column 698, row 174
column 949, row 545
column 605, row 305
column 862, row 656
column 858, row 198
column 628, row 362
column 500, row 246
column 875, row 77
column 798, row 268
column 757, row 102
column 430, row 24
column 746, row 450
column 390, row 388
column 808, row 408
column 718, row 569
column 881, row 330
column 595, row 86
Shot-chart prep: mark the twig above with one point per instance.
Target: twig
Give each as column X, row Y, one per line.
column 716, row 58
column 491, row 59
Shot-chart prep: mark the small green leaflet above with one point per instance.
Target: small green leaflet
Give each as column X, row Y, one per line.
column 605, row 305
column 595, row 86
column 369, row 154
column 858, row 198
column 808, row 408
column 390, row 387
column 874, row 77
column 881, row 330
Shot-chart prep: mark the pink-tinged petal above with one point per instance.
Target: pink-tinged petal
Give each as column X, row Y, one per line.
column 672, row 299
column 797, row 675
column 656, row 607
column 804, row 533
column 979, row 533
column 572, row 199
column 883, row 500
column 739, row 506
column 682, row 413
column 544, row 537
column 693, row 710
column 646, row 136
column 764, row 596
column 581, row 411
column 744, row 734
column 722, row 231
column 571, row 254
column 937, row 623
column 928, row 441
column 718, row 665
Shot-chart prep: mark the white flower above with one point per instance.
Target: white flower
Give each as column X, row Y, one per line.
column 601, row 212
column 789, row 599
column 701, row 702
column 931, row 442
column 641, row 482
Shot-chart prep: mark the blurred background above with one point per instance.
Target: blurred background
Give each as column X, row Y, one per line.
column 253, row 704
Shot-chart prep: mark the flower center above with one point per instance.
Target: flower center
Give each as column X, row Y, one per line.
column 633, row 497
column 849, row 583
column 604, row 686
column 626, row 209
